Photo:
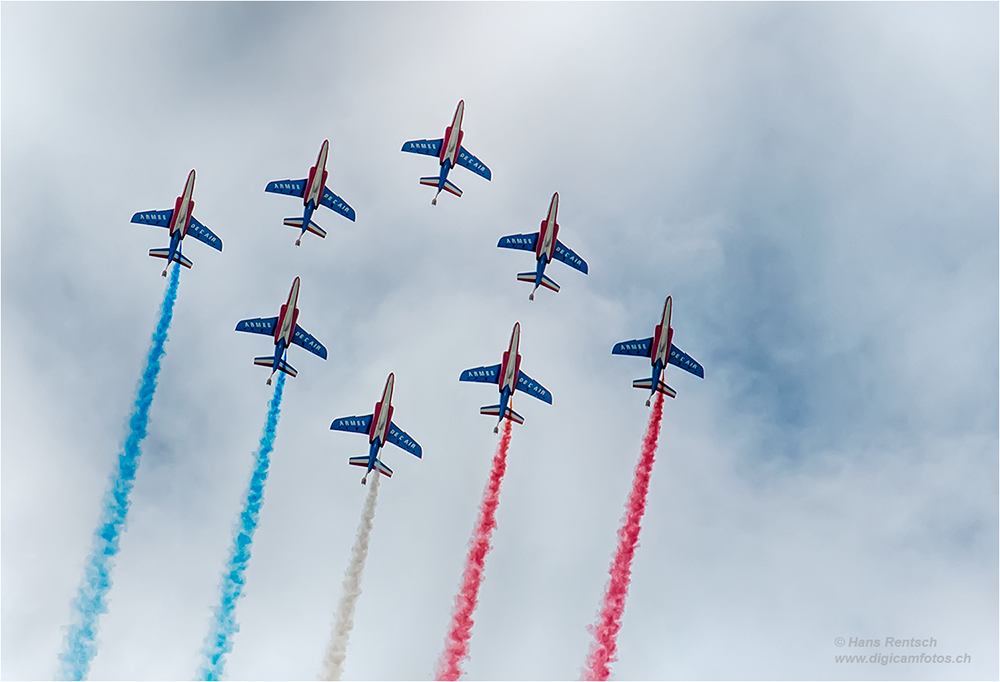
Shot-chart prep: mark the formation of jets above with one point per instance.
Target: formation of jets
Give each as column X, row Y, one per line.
column 507, row 375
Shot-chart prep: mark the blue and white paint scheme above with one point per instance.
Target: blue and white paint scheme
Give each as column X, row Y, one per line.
column 546, row 247
column 181, row 221
column 508, row 377
column 314, row 193
column 450, row 153
column 285, row 331
column 380, row 429
column 660, row 349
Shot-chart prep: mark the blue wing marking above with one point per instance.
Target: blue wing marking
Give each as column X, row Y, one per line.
column 525, row 242
column 293, row 188
column 427, row 147
column 473, row 164
column 533, row 388
column 399, row 437
column 486, row 375
column 303, row 338
column 353, row 424
column 641, row 347
column 203, row 234
column 681, row 359
column 258, row 325
column 567, row 256
column 335, row 203
column 158, row 218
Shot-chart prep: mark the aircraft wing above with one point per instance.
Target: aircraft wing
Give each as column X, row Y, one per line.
column 473, row 164
column 203, row 234
column 353, row 424
column 303, row 338
column 685, row 361
column 294, row 188
column 427, row 147
column 642, row 347
column 525, row 242
column 567, row 256
column 399, row 437
column 158, row 218
column 486, row 375
column 258, row 325
column 335, row 203
column 532, row 388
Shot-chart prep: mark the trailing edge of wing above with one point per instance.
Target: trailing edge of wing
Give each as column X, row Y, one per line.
column 258, row 325
column 427, row 147
column 641, row 347
column 354, row 425
column 306, row 340
column 465, row 158
column 533, row 388
column 204, row 235
column 293, row 188
column 158, row 218
column 566, row 255
column 335, row 203
column 681, row 359
column 400, row 438
column 486, row 375
column 525, row 242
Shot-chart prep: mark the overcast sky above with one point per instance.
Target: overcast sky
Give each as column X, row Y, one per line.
column 815, row 184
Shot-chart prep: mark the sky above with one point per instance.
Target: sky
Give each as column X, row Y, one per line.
column 815, row 184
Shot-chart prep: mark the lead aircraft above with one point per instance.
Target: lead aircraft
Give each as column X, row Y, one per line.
column 450, row 152
column 314, row 193
column 380, row 429
column 508, row 377
column 285, row 331
column 546, row 247
column 660, row 349
column 181, row 221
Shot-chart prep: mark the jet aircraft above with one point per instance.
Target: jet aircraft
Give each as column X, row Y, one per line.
column 285, row 331
column 546, row 247
column 314, row 192
column 508, row 377
column 380, row 430
column 181, row 221
column 450, row 152
column 660, row 350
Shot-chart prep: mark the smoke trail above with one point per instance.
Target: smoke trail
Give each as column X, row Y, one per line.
column 336, row 652
column 79, row 647
column 456, row 647
column 219, row 641
column 604, row 648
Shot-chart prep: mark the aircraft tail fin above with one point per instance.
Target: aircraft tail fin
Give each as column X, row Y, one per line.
column 165, row 254
column 450, row 186
column 312, row 227
column 358, row 461
column 383, row 469
column 530, row 278
column 268, row 361
column 661, row 387
column 430, row 181
column 494, row 411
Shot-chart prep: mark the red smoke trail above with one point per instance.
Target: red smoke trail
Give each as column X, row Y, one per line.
column 456, row 647
column 604, row 648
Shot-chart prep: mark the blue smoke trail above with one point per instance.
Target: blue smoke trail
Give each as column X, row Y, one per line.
column 79, row 648
column 220, row 638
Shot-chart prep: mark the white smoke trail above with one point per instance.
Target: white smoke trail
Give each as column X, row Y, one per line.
column 336, row 651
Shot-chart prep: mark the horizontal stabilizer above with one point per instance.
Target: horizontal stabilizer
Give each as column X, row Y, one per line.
column 268, row 361
column 431, row 181
column 661, row 387
column 178, row 257
column 313, row 227
column 549, row 284
column 494, row 411
column 359, row 461
column 526, row 277
column 450, row 186
column 383, row 469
